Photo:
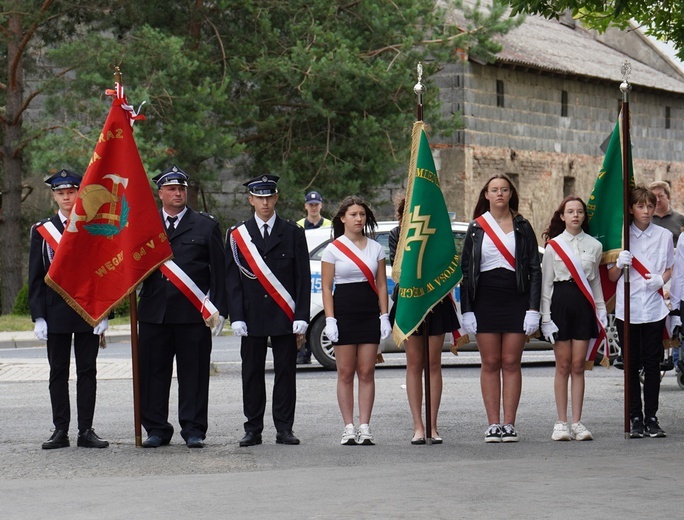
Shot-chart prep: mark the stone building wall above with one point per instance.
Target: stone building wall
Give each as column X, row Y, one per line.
column 548, row 156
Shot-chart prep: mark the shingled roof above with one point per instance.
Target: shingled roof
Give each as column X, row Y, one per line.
column 551, row 46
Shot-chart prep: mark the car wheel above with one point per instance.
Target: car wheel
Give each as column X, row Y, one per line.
column 321, row 346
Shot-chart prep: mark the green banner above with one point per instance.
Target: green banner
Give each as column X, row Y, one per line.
column 605, row 206
column 426, row 265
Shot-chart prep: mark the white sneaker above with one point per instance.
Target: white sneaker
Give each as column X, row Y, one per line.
column 580, row 432
column 365, row 436
column 561, row 431
column 349, row 435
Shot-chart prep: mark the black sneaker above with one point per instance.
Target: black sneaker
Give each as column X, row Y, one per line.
column 652, row 428
column 637, row 429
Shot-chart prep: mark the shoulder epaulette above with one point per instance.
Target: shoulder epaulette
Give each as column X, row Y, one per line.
column 208, row 215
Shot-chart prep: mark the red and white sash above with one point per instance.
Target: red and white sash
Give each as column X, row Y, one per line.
column 496, row 235
column 460, row 335
column 50, row 234
column 263, row 273
column 572, row 263
column 360, row 262
column 640, row 268
column 192, row 292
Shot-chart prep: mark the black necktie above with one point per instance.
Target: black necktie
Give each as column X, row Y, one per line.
column 172, row 226
column 266, row 235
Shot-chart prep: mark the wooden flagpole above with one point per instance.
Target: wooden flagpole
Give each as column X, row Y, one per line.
column 419, row 90
column 625, row 87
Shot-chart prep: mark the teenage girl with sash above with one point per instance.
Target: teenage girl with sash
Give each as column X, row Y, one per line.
column 356, row 313
column 572, row 308
column 443, row 319
column 500, row 294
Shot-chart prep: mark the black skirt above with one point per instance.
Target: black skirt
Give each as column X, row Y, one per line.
column 443, row 317
column 357, row 311
column 572, row 313
column 498, row 306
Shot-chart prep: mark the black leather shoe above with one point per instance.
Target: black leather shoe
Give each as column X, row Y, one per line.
column 286, row 437
column 59, row 439
column 90, row 439
column 250, row 439
column 152, row 441
column 194, row 442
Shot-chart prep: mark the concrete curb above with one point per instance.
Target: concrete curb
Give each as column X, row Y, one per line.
column 26, row 338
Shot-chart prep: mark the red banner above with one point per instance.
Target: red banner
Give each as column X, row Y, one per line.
column 114, row 237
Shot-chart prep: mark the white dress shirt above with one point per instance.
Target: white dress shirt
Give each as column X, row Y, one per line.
column 654, row 248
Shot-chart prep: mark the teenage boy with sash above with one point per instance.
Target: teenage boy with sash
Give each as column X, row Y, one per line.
column 269, row 291
column 650, row 259
column 56, row 322
column 174, row 319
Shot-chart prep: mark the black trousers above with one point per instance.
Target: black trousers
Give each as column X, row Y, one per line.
column 645, row 351
column 86, row 347
column 253, row 353
column 190, row 343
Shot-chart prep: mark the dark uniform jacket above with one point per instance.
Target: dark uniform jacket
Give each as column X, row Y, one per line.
column 287, row 256
column 198, row 250
column 43, row 301
column 527, row 263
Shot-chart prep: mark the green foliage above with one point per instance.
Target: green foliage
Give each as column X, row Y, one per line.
column 319, row 92
column 21, row 304
column 662, row 19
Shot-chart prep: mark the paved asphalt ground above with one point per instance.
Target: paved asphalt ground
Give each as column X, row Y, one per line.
column 610, row 477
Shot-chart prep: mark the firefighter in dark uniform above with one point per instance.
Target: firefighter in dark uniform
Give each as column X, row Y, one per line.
column 279, row 256
column 56, row 322
column 170, row 325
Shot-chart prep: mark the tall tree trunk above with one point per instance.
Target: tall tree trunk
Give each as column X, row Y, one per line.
column 10, row 223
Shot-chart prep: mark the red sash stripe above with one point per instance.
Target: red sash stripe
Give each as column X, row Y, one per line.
column 359, row 263
column 497, row 241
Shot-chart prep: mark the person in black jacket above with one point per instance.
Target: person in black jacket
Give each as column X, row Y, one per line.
column 171, row 325
column 500, row 297
column 269, row 290
column 56, row 322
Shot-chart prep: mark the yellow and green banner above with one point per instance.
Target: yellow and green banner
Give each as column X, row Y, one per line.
column 426, row 265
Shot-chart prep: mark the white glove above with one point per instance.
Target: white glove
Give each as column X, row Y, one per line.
column 675, row 321
column 219, row 326
column 531, row 322
column 624, row 259
column 470, row 323
column 548, row 329
column 239, row 328
column 331, row 330
column 40, row 329
column 101, row 327
column 603, row 317
column 299, row 327
column 654, row 281
column 385, row 326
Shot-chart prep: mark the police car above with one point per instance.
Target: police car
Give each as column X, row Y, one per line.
column 317, row 240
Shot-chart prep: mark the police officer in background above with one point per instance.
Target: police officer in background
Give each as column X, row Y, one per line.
column 313, row 204
column 56, row 322
column 269, row 292
column 170, row 325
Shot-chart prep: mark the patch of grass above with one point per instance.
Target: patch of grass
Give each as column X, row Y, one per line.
column 14, row 322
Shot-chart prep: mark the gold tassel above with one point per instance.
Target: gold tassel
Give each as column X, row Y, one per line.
column 589, row 365
column 379, row 359
column 454, row 349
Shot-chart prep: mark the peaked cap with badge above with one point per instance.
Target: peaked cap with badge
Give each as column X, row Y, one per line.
column 63, row 179
column 263, row 185
column 173, row 176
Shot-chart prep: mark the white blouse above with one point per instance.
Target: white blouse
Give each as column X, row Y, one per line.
column 588, row 251
column 346, row 271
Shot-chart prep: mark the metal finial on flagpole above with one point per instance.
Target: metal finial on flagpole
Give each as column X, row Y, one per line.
column 419, row 89
column 625, row 86
column 118, row 75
